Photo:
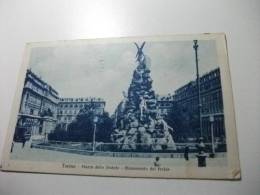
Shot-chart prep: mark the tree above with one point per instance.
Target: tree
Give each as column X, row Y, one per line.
column 104, row 128
column 82, row 129
column 184, row 121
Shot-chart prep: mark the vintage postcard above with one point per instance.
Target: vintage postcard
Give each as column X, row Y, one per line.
column 158, row 107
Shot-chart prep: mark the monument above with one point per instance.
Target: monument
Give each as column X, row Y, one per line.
column 138, row 124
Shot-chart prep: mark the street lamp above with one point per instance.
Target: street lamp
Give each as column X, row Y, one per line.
column 195, row 47
column 95, row 120
column 211, row 120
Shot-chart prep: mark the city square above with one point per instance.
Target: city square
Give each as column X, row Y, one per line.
column 185, row 126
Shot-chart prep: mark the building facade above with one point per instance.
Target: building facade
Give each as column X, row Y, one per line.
column 164, row 104
column 186, row 101
column 41, row 108
column 38, row 107
column 69, row 108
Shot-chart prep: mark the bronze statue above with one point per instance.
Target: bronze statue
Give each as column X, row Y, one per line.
column 139, row 55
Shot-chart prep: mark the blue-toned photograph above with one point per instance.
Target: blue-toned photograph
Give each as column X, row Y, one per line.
column 131, row 105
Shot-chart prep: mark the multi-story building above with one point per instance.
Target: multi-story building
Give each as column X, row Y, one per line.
column 38, row 107
column 41, row 109
column 69, row 108
column 186, row 99
column 164, row 104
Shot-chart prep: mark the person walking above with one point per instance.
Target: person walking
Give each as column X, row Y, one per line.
column 23, row 141
column 12, row 147
column 186, row 152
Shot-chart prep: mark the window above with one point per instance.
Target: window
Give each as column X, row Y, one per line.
column 31, row 111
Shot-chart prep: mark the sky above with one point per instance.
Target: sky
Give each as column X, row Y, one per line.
column 105, row 69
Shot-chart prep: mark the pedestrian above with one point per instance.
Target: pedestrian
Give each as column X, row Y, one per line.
column 23, row 141
column 12, row 146
column 156, row 162
column 186, row 152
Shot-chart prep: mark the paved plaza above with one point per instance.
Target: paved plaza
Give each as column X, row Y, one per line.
column 35, row 154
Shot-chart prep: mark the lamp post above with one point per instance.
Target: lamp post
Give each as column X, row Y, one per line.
column 195, row 47
column 211, row 120
column 95, row 120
